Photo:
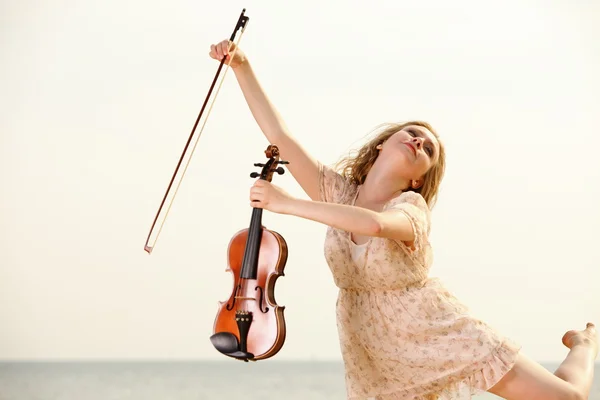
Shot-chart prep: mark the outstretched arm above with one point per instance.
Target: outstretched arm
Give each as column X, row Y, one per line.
column 302, row 166
column 392, row 224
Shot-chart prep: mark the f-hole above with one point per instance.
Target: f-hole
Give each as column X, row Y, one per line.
column 230, row 307
column 260, row 300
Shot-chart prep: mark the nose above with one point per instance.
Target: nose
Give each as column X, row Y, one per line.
column 418, row 142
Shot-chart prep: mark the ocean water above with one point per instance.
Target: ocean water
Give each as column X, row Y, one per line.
column 226, row 380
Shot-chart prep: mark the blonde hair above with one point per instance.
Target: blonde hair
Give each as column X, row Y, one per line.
column 356, row 166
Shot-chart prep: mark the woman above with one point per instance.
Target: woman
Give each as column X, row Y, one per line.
column 402, row 334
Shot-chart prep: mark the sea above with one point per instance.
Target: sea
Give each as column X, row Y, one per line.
column 222, row 380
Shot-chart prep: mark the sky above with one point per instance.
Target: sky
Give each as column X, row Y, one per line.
column 99, row 98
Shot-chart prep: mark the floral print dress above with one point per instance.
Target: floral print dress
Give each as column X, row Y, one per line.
column 402, row 334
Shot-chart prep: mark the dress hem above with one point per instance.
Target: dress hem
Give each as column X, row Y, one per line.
column 494, row 367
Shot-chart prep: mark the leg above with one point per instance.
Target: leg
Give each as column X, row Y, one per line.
column 571, row 381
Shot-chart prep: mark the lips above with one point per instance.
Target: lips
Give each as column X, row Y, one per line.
column 412, row 148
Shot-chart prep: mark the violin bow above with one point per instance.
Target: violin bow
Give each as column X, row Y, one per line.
column 241, row 24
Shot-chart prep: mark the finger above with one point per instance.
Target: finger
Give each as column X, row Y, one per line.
column 213, row 51
column 256, row 196
column 219, row 50
column 256, row 204
column 215, row 54
column 225, row 46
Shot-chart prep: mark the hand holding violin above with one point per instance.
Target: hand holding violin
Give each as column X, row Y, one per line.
column 264, row 194
column 227, row 48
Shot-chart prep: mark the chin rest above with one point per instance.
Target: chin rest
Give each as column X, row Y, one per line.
column 227, row 343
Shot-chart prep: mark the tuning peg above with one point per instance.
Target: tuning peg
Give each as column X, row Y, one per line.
column 259, row 165
column 280, row 170
column 254, row 175
column 283, row 162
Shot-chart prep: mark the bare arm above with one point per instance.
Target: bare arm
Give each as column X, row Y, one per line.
column 303, row 167
column 392, row 224
column 401, row 222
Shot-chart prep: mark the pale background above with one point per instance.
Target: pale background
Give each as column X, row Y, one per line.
column 98, row 99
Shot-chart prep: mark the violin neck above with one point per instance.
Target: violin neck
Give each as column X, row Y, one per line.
column 250, row 261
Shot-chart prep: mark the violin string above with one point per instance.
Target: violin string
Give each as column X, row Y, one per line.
column 244, row 292
column 198, row 137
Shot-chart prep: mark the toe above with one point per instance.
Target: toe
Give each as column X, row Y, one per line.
column 590, row 326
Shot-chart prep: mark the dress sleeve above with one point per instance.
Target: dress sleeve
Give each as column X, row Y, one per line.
column 331, row 184
column 414, row 206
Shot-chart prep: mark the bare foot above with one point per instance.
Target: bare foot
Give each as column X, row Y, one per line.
column 587, row 337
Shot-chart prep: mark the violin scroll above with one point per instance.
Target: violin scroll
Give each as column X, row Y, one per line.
column 272, row 152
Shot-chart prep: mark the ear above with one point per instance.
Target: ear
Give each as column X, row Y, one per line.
column 415, row 184
column 379, row 146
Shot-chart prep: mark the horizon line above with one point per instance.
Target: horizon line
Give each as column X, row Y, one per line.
column 89, row 360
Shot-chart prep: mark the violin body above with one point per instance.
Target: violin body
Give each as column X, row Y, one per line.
column 251, row 314
column 250, row 325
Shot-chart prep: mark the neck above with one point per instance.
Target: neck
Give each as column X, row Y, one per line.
column 378, row 188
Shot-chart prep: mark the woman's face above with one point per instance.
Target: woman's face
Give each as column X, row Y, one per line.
column 410, row 152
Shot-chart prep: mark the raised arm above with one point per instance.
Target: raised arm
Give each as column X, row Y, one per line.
column 303, row 167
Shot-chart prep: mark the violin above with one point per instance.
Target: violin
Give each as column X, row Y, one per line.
column 250, row 325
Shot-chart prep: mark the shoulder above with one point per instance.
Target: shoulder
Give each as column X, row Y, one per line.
column 410, row 197
column 415, row 207
column 333, row 186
